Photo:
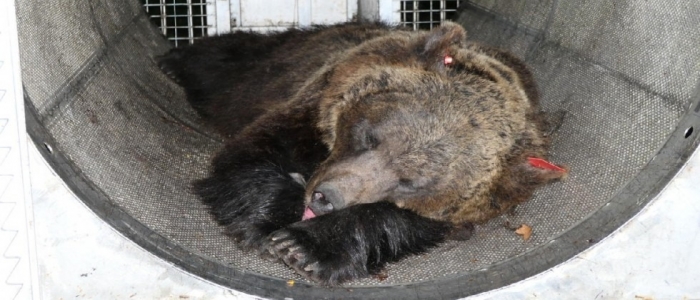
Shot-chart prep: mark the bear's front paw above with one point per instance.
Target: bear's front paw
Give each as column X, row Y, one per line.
column 288, row 247
column 319, row 263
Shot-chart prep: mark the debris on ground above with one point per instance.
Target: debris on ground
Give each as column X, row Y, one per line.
column 525, row 231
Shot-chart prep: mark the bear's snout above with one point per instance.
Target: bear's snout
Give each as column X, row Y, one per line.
column 363, row 179
column 326, row 198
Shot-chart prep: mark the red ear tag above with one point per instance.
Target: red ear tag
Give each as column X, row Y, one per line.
column 448, row 60
column 543, row 164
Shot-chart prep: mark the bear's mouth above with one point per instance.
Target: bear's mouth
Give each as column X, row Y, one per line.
column 308, row 214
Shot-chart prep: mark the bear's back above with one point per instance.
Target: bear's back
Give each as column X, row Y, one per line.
column 234, row 78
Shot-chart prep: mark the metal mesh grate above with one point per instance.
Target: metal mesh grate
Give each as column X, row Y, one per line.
column 182, row 21
column 427, row 14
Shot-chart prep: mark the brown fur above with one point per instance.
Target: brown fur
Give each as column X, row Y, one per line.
column 401, row 147
column 454, row 138
column 481, row 122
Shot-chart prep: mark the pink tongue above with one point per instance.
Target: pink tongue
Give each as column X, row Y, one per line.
column 308, row 214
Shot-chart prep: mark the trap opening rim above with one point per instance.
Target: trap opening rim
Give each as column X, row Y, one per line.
column 626, row 203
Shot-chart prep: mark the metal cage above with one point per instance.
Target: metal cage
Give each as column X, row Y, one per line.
column 426, row 14
column 182, row 21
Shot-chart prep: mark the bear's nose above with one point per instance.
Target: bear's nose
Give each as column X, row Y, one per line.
column 325, row 199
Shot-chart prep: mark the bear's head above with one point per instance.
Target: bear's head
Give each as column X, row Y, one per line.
column 417, row 119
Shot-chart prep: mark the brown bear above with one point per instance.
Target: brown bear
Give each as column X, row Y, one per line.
column 355, row 145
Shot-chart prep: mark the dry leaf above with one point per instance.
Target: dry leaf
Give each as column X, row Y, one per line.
column 290, row 283
column 525, row 231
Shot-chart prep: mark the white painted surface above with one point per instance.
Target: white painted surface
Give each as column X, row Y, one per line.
column 380, row 10
column 389, row 11
column 219, row 16
column 17, row 250
column 304, row 11
column 352, row 10
column 268, row 13
column 235, row 12
column 82, row 257
column 330, row 12
column 260, row 15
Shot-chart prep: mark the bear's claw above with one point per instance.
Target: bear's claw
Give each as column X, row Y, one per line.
column 283, row 245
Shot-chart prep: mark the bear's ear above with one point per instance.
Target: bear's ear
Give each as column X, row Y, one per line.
column 439, row 40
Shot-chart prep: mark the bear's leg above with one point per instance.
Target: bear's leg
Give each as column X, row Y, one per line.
column 256, row 185
column 252, row 200
column 354, row 242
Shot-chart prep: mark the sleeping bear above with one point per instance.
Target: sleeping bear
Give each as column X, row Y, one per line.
column 348, row 147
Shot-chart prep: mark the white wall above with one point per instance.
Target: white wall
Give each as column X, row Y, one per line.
column 265, row 15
